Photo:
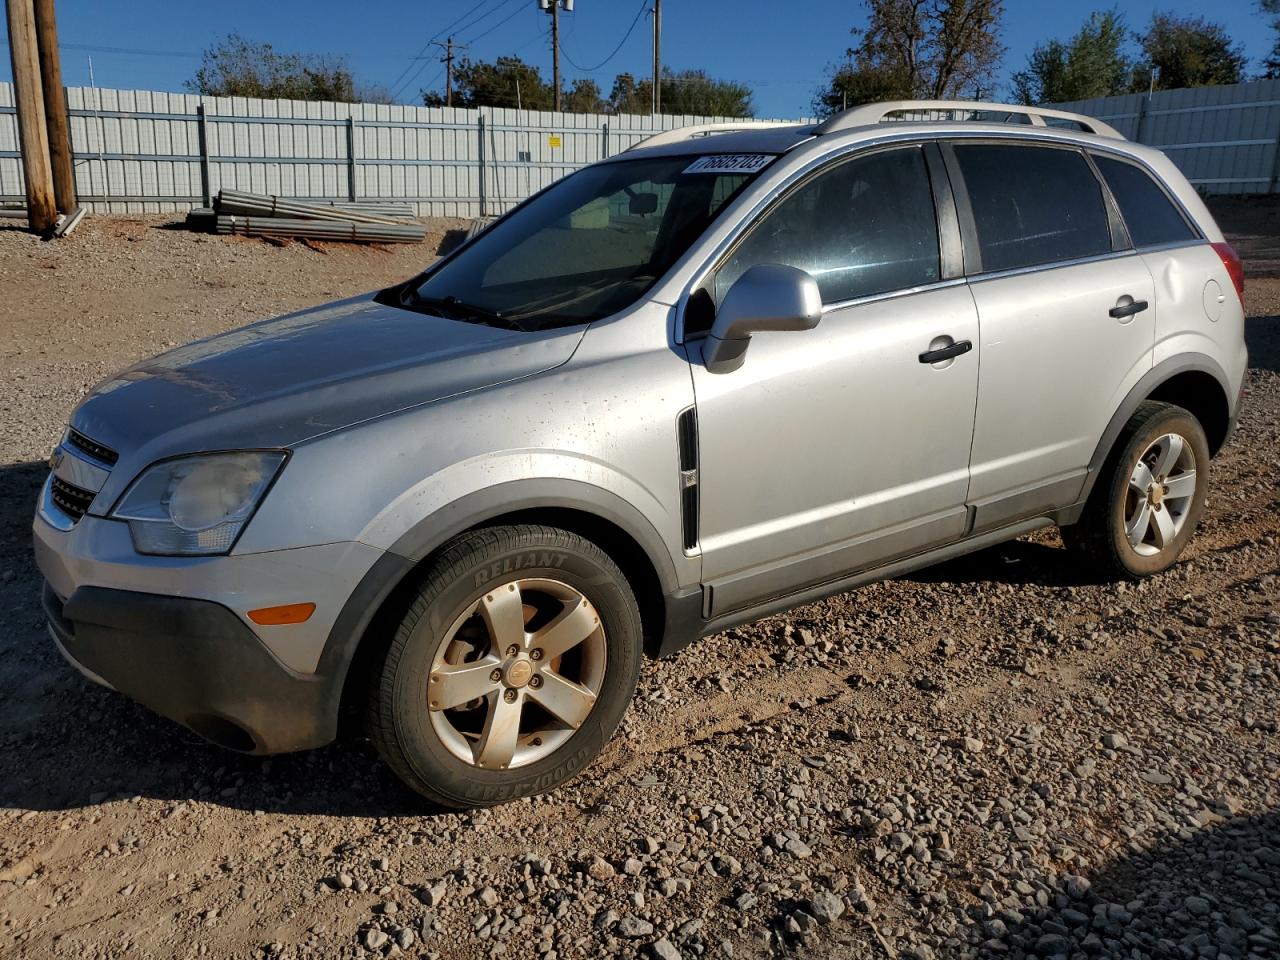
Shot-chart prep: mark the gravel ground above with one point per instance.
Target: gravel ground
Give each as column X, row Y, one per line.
column 997, row 757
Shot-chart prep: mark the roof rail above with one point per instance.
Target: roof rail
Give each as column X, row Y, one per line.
column 873, row 113
column 693, row 131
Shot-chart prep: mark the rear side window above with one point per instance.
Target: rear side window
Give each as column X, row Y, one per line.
column 864, row 227
column 1033, row 205
column 1147, row 210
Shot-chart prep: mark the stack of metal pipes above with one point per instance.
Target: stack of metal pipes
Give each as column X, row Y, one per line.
column 262, row 215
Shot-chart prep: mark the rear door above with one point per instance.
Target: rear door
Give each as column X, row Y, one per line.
column 1066, row 311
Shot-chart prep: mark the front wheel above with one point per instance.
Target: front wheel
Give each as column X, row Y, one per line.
column 511, row 669
column 1150, row 496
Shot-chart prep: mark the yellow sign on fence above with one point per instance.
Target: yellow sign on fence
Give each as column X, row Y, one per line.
column 553, row 140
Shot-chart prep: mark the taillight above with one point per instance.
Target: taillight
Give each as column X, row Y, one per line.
column 1235, row 267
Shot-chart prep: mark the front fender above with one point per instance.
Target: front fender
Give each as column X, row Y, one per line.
column 441, row 516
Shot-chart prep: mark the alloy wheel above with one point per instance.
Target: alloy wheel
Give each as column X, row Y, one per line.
column 517, row 674
column 1162, row 488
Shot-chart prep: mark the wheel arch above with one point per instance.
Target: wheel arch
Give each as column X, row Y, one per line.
column 591, row 512
column 1195, row 382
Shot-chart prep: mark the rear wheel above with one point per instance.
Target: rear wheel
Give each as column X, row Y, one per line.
column 1150, row 496
column 511, row 669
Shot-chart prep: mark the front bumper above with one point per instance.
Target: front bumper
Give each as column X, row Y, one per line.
column 173, row 632
column 195, row 662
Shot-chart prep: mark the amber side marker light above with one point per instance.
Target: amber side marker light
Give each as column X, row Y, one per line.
column 279, row 616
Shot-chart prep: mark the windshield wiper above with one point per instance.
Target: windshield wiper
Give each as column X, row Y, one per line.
column 460, row 309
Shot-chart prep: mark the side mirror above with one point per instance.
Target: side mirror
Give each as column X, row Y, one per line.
column 768, row 296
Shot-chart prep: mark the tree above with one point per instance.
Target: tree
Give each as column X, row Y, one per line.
column 931, row 49
column 507, row 82
column 1271, row 65
column 1090, row 64
column 235, row 67
column 686, row 92
column 1186, row 52
column 583, row 97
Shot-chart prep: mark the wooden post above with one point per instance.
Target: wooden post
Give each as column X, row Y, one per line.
column 32, row 135
column 55, row 108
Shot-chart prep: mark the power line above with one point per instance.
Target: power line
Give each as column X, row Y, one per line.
column 644, row 5
column 518, row 11
column 475, row 20
column 425, row 47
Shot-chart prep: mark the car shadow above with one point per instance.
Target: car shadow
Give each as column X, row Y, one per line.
column 1210, row 887
column 1262, row 337
column 66, row 743
column 1016, row 563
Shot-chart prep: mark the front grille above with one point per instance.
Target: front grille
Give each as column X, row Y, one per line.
column 94, row 449
column 71, row 500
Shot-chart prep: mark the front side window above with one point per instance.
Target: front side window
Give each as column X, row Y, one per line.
column 1033, row 205
column 864, row 227
column 1147, row 210
column 588, row 247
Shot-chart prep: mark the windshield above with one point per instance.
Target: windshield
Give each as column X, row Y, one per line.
column 587, row 247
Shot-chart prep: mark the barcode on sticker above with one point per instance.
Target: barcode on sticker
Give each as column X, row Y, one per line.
column 731, row 163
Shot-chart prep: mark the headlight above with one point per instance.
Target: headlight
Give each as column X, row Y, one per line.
column 196, row 505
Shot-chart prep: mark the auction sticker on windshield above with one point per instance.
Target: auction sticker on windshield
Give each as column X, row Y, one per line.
column 731, row 163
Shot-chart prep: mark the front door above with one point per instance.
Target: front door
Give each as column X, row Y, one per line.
column 838, row 448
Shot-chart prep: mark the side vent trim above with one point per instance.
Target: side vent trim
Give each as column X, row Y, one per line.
column 687, row 440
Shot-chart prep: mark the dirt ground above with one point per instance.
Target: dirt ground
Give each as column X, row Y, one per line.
column 997, row 757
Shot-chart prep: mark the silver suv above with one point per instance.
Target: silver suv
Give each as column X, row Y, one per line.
column 713, row 377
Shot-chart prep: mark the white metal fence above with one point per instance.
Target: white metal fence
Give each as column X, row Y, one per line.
column 1225, row 139
column 142, row 151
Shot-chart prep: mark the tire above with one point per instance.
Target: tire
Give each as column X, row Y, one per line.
column 1110, row 535
column 459, row 638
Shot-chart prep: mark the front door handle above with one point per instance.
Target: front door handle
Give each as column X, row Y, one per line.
column 951, row 350
column 1122, row 310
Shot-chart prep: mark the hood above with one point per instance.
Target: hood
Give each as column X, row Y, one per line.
column 283, row 381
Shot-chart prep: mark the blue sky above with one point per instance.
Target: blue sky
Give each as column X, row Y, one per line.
column 782, row 50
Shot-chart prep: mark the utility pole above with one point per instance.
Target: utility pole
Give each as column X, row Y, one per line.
column 553, row 7
column 657, row 56
column 55, row 108
column 29, row 99
column 447, row 60
column 555, row 51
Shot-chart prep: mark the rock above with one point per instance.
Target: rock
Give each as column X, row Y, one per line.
column 374, row 939
column 431, row 896
column 343, row 881
column 826, row 906
column 488, row 896
column 1197, row 906
column 632, row 927
column 404, row 938
column 1115, row 741
column 601, row 870
column 798, row 848
column 632, row 867
column 966, row 744
column 664, row 949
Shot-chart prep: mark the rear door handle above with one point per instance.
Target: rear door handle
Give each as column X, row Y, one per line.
column 1128, row 309
column 951, row 350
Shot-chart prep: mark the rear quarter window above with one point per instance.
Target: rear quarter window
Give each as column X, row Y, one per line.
column 1033, row 205
column 1148, row 212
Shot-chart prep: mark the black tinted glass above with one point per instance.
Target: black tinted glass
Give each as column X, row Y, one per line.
column 1148, row 212
column 587, row 247
column 864, row 227
column 1033, row 205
